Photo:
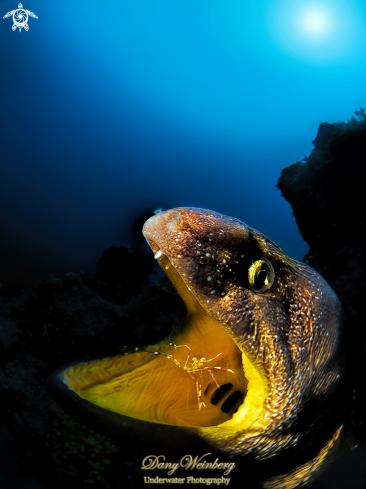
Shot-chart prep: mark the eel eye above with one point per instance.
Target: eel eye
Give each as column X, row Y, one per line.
column 261, row 275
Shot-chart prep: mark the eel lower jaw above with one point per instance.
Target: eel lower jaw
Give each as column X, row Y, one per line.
column 194, row 378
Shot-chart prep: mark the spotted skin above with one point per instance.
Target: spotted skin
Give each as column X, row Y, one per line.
column 290, row 332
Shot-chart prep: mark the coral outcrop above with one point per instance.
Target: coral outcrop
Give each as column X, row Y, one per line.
column 327, row 195
column 60, row 320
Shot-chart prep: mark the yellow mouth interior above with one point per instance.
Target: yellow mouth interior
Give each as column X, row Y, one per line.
column 193, row 378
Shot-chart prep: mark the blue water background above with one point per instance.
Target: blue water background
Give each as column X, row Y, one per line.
column 110, row 110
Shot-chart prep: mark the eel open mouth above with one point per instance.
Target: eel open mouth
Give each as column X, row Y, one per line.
column 197, row 378
column 193, row 378
column 254, row 358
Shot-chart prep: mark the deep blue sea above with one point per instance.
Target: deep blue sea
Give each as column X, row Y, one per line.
column 110, row 110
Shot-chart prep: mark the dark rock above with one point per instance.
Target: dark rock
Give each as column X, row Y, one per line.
column 121, row 273
column 327, row 195
column 60, row 320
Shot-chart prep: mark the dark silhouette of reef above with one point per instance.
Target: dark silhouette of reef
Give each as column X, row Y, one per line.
column 57, row 321
column 327, row 195
column 81, row 317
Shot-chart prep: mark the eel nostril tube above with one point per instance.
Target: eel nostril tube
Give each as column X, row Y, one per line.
column 175, row 221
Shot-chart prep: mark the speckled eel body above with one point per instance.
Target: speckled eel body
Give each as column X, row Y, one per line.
column 253, row 370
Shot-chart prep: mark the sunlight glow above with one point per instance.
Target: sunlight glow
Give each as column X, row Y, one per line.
column 318, row 31
column 315, row 22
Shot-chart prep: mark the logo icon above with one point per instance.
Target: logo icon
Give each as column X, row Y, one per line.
column 20, row 18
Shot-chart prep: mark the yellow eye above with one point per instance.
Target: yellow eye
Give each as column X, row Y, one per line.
column 261, row 275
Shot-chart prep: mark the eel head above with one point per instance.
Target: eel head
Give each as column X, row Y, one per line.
column 252, row 368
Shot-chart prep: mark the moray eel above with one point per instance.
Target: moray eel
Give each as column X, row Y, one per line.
column 254, row 369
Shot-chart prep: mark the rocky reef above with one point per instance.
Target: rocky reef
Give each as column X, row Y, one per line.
column 327, row 194
column 57, row 321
